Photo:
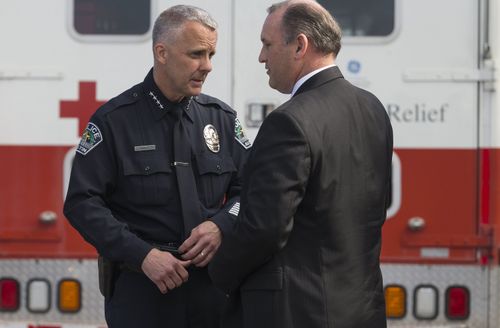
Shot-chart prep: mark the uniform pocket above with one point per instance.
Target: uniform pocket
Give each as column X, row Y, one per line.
column 148, row 181
column 214, row 175
column 215, row 164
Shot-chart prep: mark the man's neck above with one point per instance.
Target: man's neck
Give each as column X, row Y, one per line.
column 164, row 89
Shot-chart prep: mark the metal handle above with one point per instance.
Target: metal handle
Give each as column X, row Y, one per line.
column 48, row 217
column 416, row 224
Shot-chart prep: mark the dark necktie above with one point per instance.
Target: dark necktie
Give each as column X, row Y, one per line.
column 188, row 193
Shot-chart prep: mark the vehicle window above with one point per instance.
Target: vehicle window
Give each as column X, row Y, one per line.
column 111, row 17
column 363, row 18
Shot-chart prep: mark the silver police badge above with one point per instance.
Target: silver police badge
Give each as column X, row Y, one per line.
column 211, row 138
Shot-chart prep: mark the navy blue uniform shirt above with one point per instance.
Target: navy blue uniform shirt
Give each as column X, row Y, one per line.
column 123, row 193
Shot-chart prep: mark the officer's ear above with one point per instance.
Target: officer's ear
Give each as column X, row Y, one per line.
column 160, row 53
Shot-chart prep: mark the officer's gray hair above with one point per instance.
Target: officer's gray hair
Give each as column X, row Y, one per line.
column 170, row 21
column 312, row 20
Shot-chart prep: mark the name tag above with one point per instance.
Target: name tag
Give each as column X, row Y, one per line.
column 145, row 148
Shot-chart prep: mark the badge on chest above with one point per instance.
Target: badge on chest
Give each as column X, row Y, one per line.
column 211, row 138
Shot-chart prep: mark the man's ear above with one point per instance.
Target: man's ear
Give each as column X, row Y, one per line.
column 302, row 45
column 160, row 52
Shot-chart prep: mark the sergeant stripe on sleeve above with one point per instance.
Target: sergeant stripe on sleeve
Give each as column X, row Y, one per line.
column 235, row 209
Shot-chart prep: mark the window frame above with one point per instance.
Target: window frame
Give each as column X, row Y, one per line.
column 349, row 39
column 103, row 38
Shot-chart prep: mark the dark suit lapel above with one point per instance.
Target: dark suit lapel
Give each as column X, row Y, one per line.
column 320, row 78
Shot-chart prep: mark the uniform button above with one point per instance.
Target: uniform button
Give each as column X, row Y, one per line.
column 147, row 168
column 134, row 94
column 218, row 167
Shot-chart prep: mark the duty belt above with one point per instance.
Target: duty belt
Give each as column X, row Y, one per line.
column 171, row 247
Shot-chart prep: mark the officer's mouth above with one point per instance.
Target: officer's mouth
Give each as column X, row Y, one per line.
column 197, row 82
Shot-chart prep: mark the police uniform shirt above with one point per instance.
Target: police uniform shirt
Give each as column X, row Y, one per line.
column 123, row 192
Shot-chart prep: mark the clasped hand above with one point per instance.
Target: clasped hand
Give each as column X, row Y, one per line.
column 168, row 272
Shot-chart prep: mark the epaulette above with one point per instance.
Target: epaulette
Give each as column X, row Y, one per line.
column 204, row 99
column 127, row 97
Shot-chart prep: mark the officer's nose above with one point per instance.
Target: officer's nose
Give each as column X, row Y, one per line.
column 206, row 64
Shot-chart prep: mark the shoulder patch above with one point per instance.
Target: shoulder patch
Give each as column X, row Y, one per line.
column 90, row 139
column 239, row 134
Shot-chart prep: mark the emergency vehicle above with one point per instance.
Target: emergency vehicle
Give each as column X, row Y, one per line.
column 432, row 63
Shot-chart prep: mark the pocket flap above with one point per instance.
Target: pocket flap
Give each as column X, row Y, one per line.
column 145, row 166
column 214, row 163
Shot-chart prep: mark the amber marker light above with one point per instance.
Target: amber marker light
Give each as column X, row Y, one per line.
column 395, row 301
column 69, row 295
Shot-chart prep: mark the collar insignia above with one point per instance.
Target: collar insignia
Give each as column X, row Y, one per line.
column 156, row 100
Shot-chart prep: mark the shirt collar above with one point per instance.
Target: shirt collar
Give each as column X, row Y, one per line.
column 306, row 77
column 159, row 104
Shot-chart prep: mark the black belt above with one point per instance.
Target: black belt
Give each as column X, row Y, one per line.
column 171, row 247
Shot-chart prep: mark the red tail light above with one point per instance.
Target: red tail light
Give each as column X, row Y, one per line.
column 9, row 294
column 457, row 303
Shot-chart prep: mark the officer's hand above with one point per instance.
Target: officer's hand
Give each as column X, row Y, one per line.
column 202, row 244
column 165, row 270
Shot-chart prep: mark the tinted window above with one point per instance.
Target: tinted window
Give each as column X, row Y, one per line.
column 112, row 17
column 363, row 17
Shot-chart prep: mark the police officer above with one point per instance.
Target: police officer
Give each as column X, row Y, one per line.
column 155, row 178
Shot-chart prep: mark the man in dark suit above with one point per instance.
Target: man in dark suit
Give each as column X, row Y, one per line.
column 304, row 251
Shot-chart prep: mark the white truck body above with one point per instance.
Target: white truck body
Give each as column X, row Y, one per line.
column 433, row 64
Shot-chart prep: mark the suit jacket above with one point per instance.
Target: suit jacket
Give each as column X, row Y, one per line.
column 304, row 251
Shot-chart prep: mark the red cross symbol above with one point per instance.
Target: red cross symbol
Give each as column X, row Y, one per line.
column 82, row 108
